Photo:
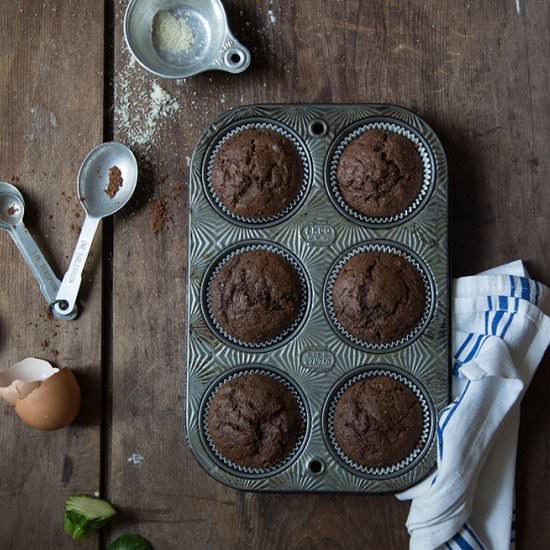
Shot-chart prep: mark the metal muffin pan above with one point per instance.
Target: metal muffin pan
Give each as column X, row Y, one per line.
column 317, row 359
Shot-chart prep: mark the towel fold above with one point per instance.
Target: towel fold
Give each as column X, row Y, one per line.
column 500, row 331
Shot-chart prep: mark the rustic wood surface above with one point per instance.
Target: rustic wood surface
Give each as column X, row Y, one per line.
column 51, row 104
column 479, row 72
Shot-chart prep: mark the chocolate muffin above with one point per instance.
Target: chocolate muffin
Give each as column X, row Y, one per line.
column 379, row 173
column 378, row 297
column 254, row 421
column 256, row 296
column 378, row 422
column 257, row 173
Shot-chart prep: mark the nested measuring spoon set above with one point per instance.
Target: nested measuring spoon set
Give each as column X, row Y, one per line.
column 106, row 182
column 347, row 331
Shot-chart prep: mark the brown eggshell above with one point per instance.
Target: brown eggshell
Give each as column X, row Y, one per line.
column 53, row 405
column 18, row 390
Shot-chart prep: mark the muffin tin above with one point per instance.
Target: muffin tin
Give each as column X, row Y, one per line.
column 315, row 357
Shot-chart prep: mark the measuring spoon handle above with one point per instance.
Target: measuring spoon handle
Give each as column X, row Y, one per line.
column 40, row 268
column 70, row 285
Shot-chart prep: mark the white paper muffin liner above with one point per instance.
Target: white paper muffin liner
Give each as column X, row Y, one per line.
column 394, row 469
column 286, row 334
column 265, row 220
column 387, row 248
column 400, row 217
column 239, row 469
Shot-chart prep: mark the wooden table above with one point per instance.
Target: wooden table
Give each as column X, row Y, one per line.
column 478, row 71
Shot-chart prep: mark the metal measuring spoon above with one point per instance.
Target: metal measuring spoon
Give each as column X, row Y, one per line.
column 93, row 178
column 12, row 209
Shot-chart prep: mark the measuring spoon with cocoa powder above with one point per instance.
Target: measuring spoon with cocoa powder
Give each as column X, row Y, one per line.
column 106, row 181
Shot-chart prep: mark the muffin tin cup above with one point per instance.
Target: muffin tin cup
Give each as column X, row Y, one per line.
column 285, row 335
column 428, row 178
column 265, row 221
column 427, row 423
column 386, row 247
column 238, row 469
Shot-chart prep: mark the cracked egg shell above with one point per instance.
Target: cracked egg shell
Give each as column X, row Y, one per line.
column 23, row 378
column 53, row 405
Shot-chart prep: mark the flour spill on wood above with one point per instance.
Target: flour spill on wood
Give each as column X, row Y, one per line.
column 143, row 106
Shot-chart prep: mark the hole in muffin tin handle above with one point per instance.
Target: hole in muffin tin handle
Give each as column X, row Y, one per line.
column 318, row 128
column 316, row 466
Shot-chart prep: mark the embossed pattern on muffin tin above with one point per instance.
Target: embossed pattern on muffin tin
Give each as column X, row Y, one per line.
column 237, row 468
column 316, row 358
column 388, row 248
column 215, row 269
column 427, row 421
column 209, row 165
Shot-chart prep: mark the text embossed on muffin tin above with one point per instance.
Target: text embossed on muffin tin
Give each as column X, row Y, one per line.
column 317, row 359
column 319, row 234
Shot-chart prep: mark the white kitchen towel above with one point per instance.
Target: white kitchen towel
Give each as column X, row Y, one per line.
column 500, row 331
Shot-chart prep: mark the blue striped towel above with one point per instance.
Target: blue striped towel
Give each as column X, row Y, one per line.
column 500, row 331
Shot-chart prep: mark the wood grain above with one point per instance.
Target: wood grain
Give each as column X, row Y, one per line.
column 478, row 72
column 51, row 104
column 528, row 206
column 468, row 69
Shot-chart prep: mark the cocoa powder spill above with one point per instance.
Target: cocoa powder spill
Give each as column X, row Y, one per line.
column 160, row 215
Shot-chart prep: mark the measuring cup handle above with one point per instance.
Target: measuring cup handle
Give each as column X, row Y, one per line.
column 233, row 56
column 40, row 268
column 70, row 285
